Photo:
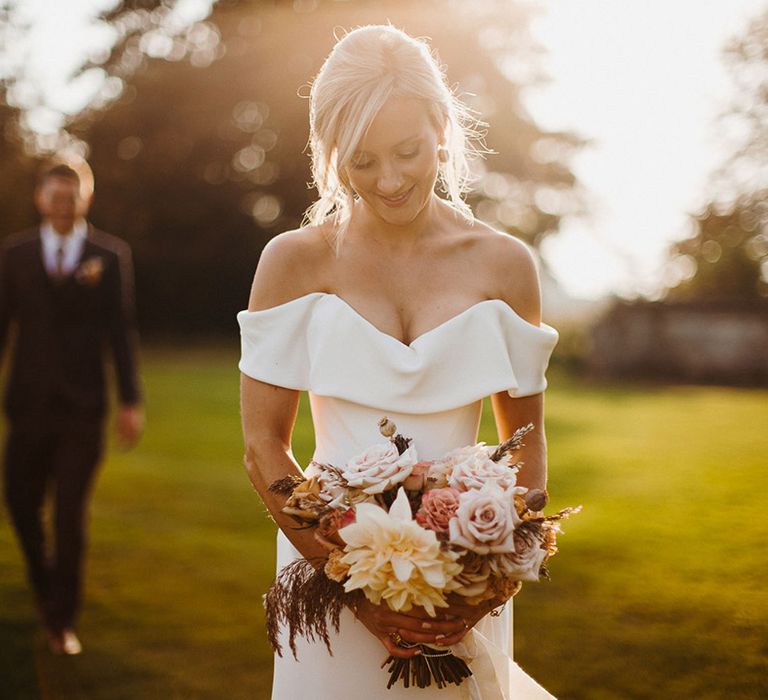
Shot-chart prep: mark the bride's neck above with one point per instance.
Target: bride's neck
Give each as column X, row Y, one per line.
column 365, row 224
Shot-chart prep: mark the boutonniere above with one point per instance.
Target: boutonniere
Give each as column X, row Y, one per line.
column 89, row 271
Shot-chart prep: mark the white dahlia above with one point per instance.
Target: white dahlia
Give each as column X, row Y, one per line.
column 392, row 558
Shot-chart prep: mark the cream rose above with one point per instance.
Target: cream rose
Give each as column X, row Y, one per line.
column 485, row 520
column 524, row 562
column 418, row 476
column 437, row 475
column 471, row 467
column 379, row 468
column 473, row 579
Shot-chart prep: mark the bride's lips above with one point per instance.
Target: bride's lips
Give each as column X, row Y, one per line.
column 395, row 202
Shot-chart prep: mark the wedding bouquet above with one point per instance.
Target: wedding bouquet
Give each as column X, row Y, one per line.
column 411, row 533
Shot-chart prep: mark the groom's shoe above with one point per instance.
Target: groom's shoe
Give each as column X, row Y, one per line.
column 64, row 642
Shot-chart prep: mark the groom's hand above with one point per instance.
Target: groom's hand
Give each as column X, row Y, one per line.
column 129, row 425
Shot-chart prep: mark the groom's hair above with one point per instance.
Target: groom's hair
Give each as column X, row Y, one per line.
column 61, row 170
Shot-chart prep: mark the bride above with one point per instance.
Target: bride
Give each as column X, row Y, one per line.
column 392, row 300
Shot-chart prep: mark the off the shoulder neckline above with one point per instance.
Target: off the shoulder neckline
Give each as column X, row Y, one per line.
column 345, row 304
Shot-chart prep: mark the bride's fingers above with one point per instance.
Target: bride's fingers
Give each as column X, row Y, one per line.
column 395, row 650
column 422, row 637
column 433, row 626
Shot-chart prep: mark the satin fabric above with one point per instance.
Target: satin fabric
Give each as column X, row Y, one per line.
column 432, row 389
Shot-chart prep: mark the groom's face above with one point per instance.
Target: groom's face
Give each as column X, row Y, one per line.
column 58, row 200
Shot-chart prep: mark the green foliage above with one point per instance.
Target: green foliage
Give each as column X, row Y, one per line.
column 198, row 142
column 725, row 257
column 658, row 590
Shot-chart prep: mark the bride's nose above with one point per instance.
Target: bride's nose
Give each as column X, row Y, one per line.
column 390, row 180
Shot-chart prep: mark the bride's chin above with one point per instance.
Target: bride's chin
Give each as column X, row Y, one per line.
column 400, row 217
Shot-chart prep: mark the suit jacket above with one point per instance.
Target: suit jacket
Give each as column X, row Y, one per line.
column 64, row 328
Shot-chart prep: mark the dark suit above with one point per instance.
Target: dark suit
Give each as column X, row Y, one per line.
column 56, row 396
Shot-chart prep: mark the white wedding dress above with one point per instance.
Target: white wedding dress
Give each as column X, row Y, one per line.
column 433, row 390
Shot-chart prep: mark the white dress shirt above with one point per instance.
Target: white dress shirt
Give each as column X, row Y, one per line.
column 71, row 245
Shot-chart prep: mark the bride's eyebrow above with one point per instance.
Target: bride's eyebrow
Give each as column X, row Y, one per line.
column 406, row 141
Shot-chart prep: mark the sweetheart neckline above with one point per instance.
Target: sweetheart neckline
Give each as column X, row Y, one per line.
column 408, row 346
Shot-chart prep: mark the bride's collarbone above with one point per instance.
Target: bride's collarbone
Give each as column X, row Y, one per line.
column 407, row 317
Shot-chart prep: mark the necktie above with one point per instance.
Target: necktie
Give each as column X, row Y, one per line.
column 59, row 272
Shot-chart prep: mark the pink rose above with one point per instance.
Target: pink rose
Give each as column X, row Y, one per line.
column 437, row 508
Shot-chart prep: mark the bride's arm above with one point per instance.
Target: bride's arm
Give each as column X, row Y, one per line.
column 512, row 413
column 518, row 284
column 268, row 415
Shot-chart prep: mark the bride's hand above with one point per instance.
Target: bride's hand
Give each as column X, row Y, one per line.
column 467, row 615
column 415, row 627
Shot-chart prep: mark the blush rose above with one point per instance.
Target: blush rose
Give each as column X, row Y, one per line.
column 485, row 520
column 379, row 468
column 437, row 508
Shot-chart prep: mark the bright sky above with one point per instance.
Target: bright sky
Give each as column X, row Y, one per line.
column 642, row 81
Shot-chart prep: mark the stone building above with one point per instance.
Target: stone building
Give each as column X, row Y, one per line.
column 720, row 342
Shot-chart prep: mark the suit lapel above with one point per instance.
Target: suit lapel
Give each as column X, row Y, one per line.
column 38, row 264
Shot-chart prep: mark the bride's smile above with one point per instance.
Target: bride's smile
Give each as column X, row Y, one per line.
column 394, row 168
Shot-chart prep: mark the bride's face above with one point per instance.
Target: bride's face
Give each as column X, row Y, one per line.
column 394, row 167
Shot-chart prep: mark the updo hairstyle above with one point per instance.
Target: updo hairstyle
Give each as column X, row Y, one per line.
column 365, row 68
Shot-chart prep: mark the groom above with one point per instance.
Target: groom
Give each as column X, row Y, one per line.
column 68, row 291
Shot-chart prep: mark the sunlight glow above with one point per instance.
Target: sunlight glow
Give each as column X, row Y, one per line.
column 643, row 82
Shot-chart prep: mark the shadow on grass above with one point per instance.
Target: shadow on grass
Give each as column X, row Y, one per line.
column 98, row 674
column 18, row 638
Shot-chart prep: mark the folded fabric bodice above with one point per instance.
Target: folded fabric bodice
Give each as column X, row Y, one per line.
column 355, row 373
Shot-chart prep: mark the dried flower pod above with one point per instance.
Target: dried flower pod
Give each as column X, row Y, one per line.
column 387, row 427
column 536, row 499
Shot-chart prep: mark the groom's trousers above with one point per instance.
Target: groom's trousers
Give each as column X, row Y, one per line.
column 56, row 455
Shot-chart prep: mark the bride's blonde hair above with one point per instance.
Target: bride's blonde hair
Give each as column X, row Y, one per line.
column 365, row 68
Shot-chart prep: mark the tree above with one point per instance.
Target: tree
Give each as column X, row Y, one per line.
column 17, row 167
column 198, row 155
column 726, row 256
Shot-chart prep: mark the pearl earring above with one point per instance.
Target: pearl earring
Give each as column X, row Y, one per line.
column 442, row 154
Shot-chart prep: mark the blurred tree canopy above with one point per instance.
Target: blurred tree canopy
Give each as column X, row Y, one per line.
column 199, row 152
column 17, row 167
column 726, row 256
column 724, row 259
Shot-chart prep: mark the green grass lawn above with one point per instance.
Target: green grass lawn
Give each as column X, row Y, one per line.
column 659, row 590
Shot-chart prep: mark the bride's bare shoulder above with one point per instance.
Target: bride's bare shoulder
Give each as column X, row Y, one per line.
column 291, row 265
column 511, row 268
